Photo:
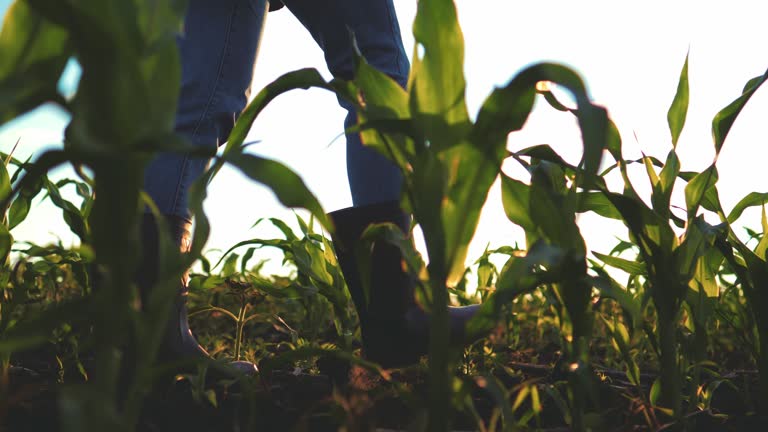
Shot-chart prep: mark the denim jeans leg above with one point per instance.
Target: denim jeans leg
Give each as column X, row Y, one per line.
column 372, row 177
column 218, row 47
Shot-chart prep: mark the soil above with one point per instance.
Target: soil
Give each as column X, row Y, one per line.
column 341, row 396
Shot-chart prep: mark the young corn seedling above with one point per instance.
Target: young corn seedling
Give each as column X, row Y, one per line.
column 676, row 269
column 748, row 264
column 317, row 271
column 546, row 209
column 751, row 269
column 240, row 318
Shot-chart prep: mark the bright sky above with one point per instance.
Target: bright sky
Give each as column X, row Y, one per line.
column 630, row 57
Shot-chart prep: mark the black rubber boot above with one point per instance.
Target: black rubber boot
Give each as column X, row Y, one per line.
column 178, row 342
column 395, row 329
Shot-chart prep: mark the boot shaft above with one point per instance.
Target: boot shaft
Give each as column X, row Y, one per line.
column 390, row 285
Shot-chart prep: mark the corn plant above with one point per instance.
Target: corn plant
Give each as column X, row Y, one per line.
column 749, row 266
column 450, row 162
column 122, row 113
column 677, row 269
column 553, row 206
column 318, row 282
column 670, row 262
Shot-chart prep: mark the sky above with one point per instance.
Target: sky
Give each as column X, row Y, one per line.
column 629, row 54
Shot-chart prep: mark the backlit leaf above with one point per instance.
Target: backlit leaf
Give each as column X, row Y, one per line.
column 679, row 108
column 723, row 121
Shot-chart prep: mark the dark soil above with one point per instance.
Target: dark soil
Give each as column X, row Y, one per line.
column 358, row 400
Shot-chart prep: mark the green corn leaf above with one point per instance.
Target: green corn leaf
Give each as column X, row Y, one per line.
column 518, row 277
column 515, row 197
column 36, row 172
column 609, row 288
column 751, row 200
column 699, row 239
column 302, row 225
column 5, row 182
column 653, row 160
column 198, row 192
column 437, row 86
column 762, row 246
column 162, row 76
column 6, row 242
column 621, row 339
column 383, row 96
column 724, row 119
column 598, row 203
column 661, row 198
column 545, row 152
column 711, row 199
column 34, row 54
column 473, row 174
column 621, row 246
column 284, row 245
column 553, row 219
column 652, row 176
column 705, row 275
column 71, row 212
column 299, row 79
column 486, row 271
column 655, row 391
column 315, row 266
column 679, row 108
column 22, row 204
column 552, row 100
column 385, row 104
column 696, row 189
column 162, row 20
column 504, row 111
column 500, row 396
column 230, row 265
column 613, row 140
column 246, row 258
column 631, row 267
column 507, row 109
column 652, row 233
column 282, row 226
column 429, row 183
column 118, row 65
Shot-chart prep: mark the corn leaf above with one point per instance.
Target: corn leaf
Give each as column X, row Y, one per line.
column 34, row 53
column 723, row 121
column 697, row 188
column 437, row 84
column 679, row 108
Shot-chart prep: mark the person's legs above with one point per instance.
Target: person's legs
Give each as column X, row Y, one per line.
column 218, row 49
column 393, row 327
column 372, row 177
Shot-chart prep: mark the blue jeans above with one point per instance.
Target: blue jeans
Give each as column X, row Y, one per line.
column 218, row 50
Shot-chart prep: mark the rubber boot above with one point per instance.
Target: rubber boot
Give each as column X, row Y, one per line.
column 395, row 329
column 178, row 342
